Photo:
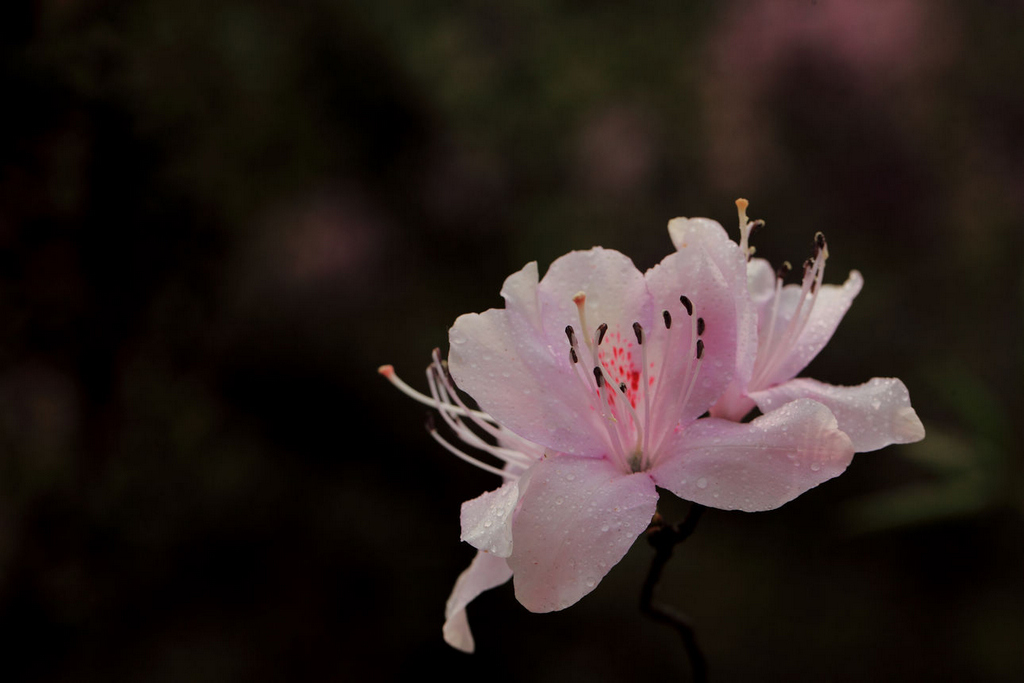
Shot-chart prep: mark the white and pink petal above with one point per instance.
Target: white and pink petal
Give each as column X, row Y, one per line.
column 716, row 297
column 577, row 519
column 692, row 234
column 760, row 282
column 874, row 414
column 615, row 294
column 487, row 519
column 756, row 466
column 505, row 362
column 485, row 572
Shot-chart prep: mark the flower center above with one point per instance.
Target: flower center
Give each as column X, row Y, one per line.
column 637, row 404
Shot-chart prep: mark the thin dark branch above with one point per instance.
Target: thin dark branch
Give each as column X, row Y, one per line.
column 664, row 539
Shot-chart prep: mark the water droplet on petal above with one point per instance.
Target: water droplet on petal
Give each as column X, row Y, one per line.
column 558, row 501
column 815, row 467
column 702, row 483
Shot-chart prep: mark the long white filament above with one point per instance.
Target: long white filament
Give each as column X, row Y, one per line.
column 445, row 400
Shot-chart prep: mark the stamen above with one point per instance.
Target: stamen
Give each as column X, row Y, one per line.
column 601, row 329
column 687, row 382
column 777, row 347
column 700, row 326
column 450, row 396
column 668, row 319
column 440, row 392
column 642, row 435
column 389, row 373
column 571, row 334
column 609, row 420
column 819, row 244
column 785, row 269
column 639, row 332
column 463, row 456
column 697, row 349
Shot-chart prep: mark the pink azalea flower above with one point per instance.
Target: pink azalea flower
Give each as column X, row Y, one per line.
column 793, row 323
column 591, row 382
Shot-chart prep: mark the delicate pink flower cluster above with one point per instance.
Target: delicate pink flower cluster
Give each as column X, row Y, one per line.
column 592, row 383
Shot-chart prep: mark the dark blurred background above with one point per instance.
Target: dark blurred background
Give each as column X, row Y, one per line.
column 217, row 218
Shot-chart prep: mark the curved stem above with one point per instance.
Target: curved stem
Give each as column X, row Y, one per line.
column 664, row 539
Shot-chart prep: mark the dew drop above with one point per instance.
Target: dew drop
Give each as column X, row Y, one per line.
column 815, row 467
column 558, row 501
column 570, row 477
column 604, row 528
column 702, row 483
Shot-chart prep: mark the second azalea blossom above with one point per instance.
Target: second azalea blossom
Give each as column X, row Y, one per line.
column 791, row 325
column 590, row 382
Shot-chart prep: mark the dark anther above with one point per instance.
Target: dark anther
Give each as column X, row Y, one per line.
column 700, row 326
column 784, row 270
column 639, row 332
column 814, row 286
column 687, row 304
column 808, row 264
column 755, row 225
column 622, row 387
column 700, row 348
column 601, row 329
column 668, row 319
column 599, row 376
column 429, row 423
column 573, row 356
column 819, row 242
column 571, row 334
